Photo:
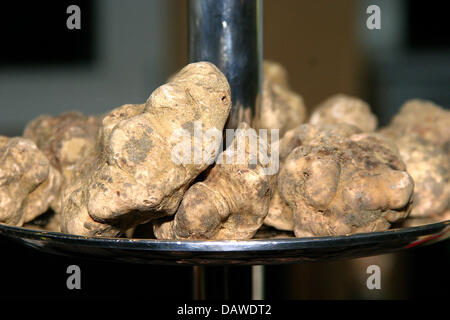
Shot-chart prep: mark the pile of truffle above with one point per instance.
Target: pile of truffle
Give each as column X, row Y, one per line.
column 114, row 175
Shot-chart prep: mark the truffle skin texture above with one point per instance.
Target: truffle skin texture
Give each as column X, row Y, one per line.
column 346, row 185
column 307, row 133
column 230, row 204
column 281, row 108
column 345, row 109
column 280, row 215
column 28, row 182
column 429, row 166
column 135, row 178
column 423, row 119
column 65, row 140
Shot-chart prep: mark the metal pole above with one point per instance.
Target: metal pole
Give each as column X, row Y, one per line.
column 198, row 283
column 258, row 282
column 228, row 33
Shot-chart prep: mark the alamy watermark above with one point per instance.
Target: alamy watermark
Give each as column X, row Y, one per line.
column 73, row 22
column 74, row 280
column 374, row 20
column 374, row 280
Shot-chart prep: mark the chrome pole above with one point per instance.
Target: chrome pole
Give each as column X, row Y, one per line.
column 228, row 33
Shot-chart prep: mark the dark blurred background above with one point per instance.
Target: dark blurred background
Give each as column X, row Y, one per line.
column 125, row 49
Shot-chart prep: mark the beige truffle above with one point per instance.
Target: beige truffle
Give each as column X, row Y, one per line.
column 345, row 109
column 308, row 133
column 337, row 185
column 138, row 176
column 276, row 73
column 65, row 140
column 28, row 183
column 281, row 108
column 231, row 203
column 423, row 119
column 280, row 215
column 429, row 166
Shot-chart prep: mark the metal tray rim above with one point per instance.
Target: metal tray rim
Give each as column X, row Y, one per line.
column 223, row 245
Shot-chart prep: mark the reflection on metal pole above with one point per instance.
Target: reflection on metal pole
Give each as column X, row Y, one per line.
column 258, row 283
column 228, row 33
column 198, row 282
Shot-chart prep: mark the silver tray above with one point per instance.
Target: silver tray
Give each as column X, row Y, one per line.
column 248, row 252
